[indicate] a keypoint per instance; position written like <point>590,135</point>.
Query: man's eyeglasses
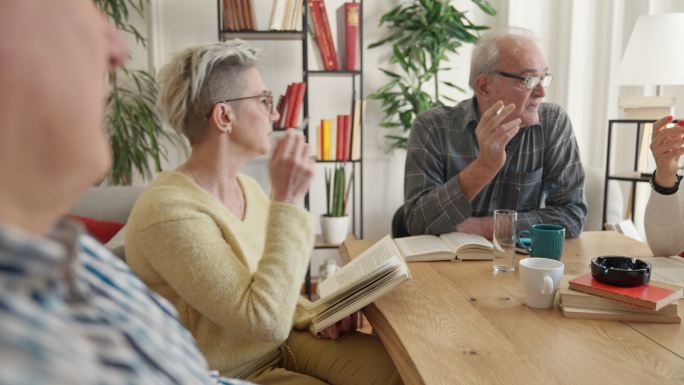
<point>529,81</point>
<point>266,100</point>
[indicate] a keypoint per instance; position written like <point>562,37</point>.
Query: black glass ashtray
<point>620,271</point>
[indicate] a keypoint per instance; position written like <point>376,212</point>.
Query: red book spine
<point>286,106</point>
<point>325,46</point>
<point>328,37</point>
<point>298,98</point>
<point>347,137</point>
<point>351,31</point>
<point>339,145</point>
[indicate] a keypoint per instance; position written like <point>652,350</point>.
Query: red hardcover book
<point>285,106</point>
<point>297,101</point>
<point>323,35</point>
<point>339,143</point>
<point>347,137</point>
<point>351,32</point>
<point>653,295</point>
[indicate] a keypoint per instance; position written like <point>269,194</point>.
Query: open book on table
<point>360,282</point>
<point>445,247</point>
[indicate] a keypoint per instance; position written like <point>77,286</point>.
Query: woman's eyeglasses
<point>266,100</point>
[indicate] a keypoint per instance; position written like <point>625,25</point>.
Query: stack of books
<point>585,297</point>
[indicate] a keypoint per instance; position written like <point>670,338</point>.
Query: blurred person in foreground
<point>70,312</point>
<point>229,257</point>
<point>664,216</point>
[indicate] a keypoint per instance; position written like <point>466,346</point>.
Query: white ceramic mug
<point>540,278</point>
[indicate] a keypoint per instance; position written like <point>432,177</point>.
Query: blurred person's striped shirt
<point>72,313</point>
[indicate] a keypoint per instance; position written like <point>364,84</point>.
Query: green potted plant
<point>335,221</point>
<point>422,33</point>
<point>132,120</point>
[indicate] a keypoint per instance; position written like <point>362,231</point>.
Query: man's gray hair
<point>198,77</point>
<point>487,52</point>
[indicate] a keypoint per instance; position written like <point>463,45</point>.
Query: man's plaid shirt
<point>542,179</point>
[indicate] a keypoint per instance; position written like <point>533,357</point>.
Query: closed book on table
<point>578,299</point>
<point>653,295</point>
<point>617,315</point>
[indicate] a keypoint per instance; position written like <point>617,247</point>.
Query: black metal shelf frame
<point>635,176</point>
<point>355,76</point>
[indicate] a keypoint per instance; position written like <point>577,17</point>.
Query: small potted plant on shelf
<point>335,222</point>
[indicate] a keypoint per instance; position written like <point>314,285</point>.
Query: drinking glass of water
<point>505,222</point>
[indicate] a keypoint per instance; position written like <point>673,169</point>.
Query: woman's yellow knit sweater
<point>235,283</point>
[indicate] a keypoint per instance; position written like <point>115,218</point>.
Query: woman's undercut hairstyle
<point>198,77</point>
<point>487,51</point>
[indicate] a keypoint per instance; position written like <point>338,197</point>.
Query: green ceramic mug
<point>545,241</point>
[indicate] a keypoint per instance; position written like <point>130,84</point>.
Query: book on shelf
<point>368,277</point>
<point>355,146</point>
<point>653,295</point>
<point>348,35</point>
<point>296,101</point>
<point>277,14</point>
<point>325,129</point>
<point>238,15</point>
<point>444,247</point>
<point>581,300</point>
<point>323,35</point>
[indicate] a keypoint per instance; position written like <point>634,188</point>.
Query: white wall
<point>582,39</point>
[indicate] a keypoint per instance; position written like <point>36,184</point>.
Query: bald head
<point>490,47</point>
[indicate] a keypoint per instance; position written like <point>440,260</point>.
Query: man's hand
<point>493,135</point>
<point>341,327</point>
<point>477,225</point>
<point>492,138</point>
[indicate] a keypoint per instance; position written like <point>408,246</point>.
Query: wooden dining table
<point>459,322</point>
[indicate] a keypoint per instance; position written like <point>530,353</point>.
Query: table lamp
<point>654,57</point>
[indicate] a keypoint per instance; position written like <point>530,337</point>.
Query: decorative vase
<point>334,230</point>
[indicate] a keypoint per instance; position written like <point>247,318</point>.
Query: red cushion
<point>103,231</point>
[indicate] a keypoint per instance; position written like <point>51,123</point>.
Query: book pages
<point>362,266</point>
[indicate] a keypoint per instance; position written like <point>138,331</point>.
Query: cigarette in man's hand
<point>498,112</point>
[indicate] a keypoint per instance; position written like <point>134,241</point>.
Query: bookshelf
<point>635,175</point>
<point>313,76</point>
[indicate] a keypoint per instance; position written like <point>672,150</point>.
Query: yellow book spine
<point>326,139</point>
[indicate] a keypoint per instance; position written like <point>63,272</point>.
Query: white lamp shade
<point>655,52</point>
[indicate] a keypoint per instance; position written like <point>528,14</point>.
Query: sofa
<point>108,204</point>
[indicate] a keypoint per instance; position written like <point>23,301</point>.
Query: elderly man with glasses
<point>502,149</point>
